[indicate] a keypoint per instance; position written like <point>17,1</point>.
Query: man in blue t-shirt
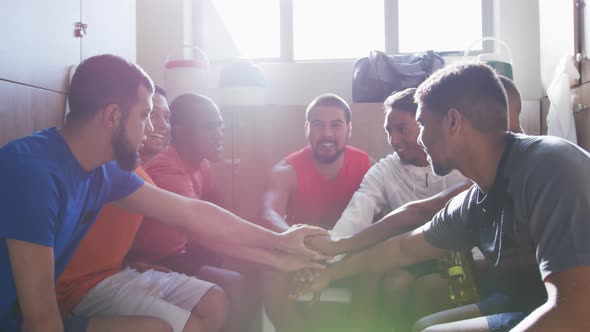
<point>54,183</point>
<point>531,197</point>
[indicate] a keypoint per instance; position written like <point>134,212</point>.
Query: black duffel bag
<point>375,77</point>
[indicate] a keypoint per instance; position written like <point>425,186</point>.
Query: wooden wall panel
<point>580,95</point>
<point>223,170</point>
<point>26,109</point>
<point>257,141</point>
<point>368,132</point>
<point>288,126</point>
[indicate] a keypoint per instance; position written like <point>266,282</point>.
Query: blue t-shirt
<point>536,213</point>
<point>47,198</point>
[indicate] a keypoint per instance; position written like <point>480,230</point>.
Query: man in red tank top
<point>311,186</point>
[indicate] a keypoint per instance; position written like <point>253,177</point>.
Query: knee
<point>398,281</point>
<point>422,324</point>
<point>214,308</point>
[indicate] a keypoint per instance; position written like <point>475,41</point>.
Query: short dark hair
<point>511,89</point>
<point>402,100</point>
<point>329,99</point>
<point>102,80</point>
<point>473,89</point>
<point>185,105</point>
<point>159,90</point>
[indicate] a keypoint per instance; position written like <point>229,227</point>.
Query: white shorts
<point>168,296</point>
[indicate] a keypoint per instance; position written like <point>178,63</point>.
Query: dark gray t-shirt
<point>539,204</point>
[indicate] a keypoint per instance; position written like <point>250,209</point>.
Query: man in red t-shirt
<point>184,169</point>
<point>313,186</point>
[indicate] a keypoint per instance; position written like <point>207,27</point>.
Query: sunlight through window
<point>336,29</point>
<point>253,26</point>
<point>443,26</point>
<point>311,30</point>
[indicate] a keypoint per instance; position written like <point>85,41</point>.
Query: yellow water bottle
<point>462,288</point>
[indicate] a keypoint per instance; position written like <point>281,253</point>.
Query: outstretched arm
<point>401,220</point>
<point>206,220</point>
<point>405,249</point>
<point>270,258</point>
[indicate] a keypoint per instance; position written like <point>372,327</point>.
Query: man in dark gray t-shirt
<point>511,229</point>
<point>540,198</point>
<point>530,203</point>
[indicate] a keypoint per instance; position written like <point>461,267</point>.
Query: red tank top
<point>317,200</point>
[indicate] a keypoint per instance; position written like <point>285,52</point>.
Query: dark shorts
<point>504,322</point>
<point>500,312</point>
<point>74,323</point>
<point>495,304</point>
<point>423,268</point>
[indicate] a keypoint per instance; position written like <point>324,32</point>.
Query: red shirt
<point>155,240</point>
<point>317,200</point>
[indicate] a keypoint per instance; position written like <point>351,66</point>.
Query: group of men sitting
<point>460,176</point>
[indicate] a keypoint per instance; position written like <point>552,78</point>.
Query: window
<point>241,29</point>
<point>438,25</point>
<point>302,30</point>
<point>333,29</point>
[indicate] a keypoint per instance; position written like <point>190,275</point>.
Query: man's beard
<point>125,154</point>
<point>328,159</point>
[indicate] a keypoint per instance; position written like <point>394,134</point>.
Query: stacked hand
<point>309,280</point>
<point>323,243</point>
<point>302,249</point>
<point>287,262</point>
<point>294,241</point>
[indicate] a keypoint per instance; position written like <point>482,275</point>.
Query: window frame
<point>390,9</point>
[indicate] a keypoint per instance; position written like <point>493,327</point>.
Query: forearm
<point>401,220</point>
<point>375,259</point>
<point>398,251</point>
<point>350,265</point>
<point>248,254</point>
<point>397,222</point>
<point>227,228</point>
<point>549,318</point>
<point>274,221</point>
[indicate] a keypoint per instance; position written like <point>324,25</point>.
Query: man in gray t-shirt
<point>531,197</point>
<point>537,206</point>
